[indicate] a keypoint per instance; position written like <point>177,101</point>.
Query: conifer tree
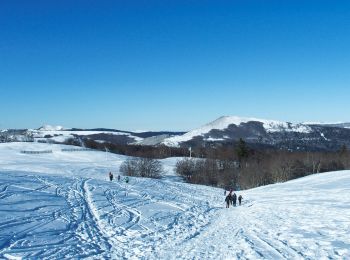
<point>242,150</point>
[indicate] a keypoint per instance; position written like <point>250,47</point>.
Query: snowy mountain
<point>15,135</point>
<point>339,124</point>
<point>265,133</point>
<point>223,123</point>
<point>61,205</point>
<point>51,128</point>
<point>60,134</point>
<point>226,130</point>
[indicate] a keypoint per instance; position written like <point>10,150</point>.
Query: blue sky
<point>172,65</point>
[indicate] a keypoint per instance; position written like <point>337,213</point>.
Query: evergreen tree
<point>343,150</point>
<point>242,150</point>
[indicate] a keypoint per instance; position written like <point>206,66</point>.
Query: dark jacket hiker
<point>240,199</point>
<point>228,200</point>
<point>234,199</point>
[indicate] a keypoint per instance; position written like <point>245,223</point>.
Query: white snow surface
<point>223,122</point>
<point>61,205</point>
<point>322,134</point>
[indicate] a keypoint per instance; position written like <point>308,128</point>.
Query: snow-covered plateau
<point>59,134</point>
<point>60,205</point>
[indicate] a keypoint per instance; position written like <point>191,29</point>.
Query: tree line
<point>234,165</point>
<point>155,152</point>
<point>240,167</point>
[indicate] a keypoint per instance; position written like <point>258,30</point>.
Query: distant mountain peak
<point>224,122</point>
<point>51,128</point>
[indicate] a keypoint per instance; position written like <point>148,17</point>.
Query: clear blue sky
<point>172,65</point>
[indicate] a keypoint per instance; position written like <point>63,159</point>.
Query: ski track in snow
<point>98,218</point>
<point>60,206</point>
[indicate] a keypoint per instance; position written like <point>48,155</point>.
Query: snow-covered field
<point>61,205</point>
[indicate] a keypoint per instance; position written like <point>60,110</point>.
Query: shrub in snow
<point>142,167</point>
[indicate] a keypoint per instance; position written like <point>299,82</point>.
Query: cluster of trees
<point>213,172</point>
<point>142,167</point>
<point>240,167</point>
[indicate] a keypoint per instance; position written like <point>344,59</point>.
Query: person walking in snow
<point>234,199</point>
<point>230,196</point>
<point>110,176</point>
<point>228,200</point>
<point>118,177</point>
<point>240,199</point>
<point>126,185</point>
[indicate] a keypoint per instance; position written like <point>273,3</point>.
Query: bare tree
<point>149,168</point>
<point>186,168</point>
<point>142,167</point>
<point>129,167</point>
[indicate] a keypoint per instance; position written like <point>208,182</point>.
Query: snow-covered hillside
<point>59,134</point>
<point>51,128</point>
<point>223,122</point>
<point>336,124</point>
<point>61,205</point>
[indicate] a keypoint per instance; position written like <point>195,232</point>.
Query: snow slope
<point>61,205</point>
<point>223,122</point>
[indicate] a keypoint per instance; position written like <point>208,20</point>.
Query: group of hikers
<point>126,179</point>
<point>111,177</point>
<point>231,199</point>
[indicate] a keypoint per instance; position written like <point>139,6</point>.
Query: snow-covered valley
<point>61,205</point>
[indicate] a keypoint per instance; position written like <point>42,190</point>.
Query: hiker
<point>110,176</point>
<point>228,200</point>
<point>126,188</point>
<point>234,199</point>
<point>230,194</point>
<point>240,199</point>
<point>118,177</point>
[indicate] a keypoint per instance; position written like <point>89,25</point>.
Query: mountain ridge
<point>225,130</point>
<point>265,133</point>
